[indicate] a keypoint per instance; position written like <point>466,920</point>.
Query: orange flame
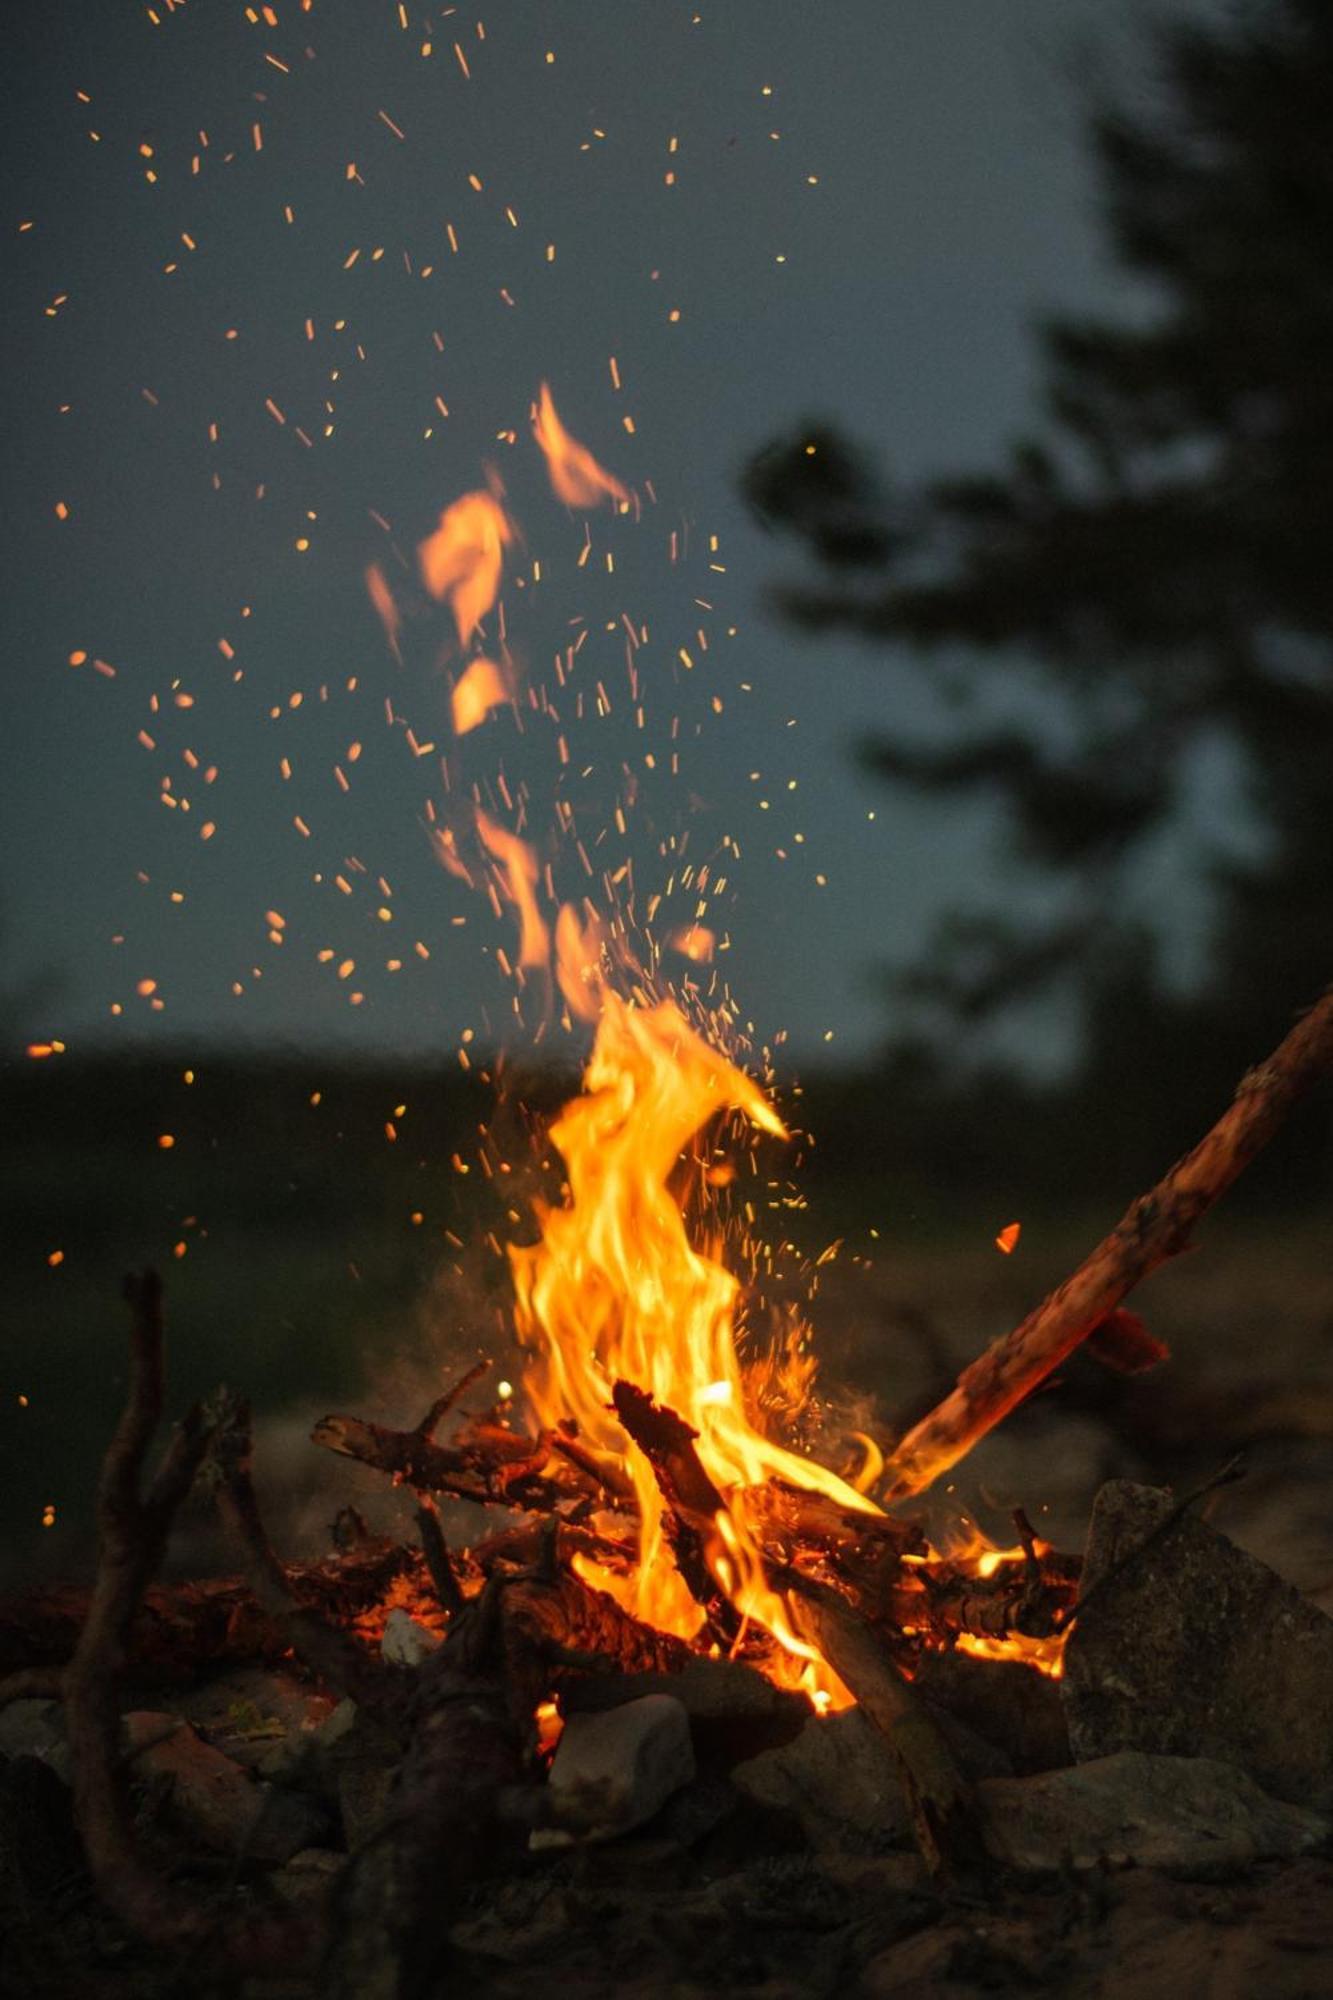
<point>575,474</point>
<point>481,687</point>
<point>463,559</point>
<point>614,1289</point>
<point>519,873</point>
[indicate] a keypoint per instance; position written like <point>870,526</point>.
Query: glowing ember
<point>575,474</point>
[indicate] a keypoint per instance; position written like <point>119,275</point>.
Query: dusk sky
<point>282,283</point>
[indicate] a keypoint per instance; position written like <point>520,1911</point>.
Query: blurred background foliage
<point>1137,609</point>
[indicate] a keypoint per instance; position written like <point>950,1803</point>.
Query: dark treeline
<point>1128,627</point>
<point>319,1151</point>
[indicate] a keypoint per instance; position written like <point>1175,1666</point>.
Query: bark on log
<point>1156,1227</point>
<point>180,1630</point>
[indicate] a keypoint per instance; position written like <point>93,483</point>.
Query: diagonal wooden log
<point>693,1502</point>
<point>940,1804</point>
<point>1156,1227</point>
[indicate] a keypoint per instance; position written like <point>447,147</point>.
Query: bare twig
<point>493,1466</point>
<point>444,1403</point>
<point>1156,1227</point>
<point>436,1551</point>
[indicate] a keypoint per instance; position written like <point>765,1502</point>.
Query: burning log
<point>693,1503</point>
<point>1156,1227</point>
<point>178,1626</point>
<point>488,1464</point>
<point>937,1800</point>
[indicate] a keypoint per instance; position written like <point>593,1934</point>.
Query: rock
<point>613,1771</point>
<point>213,1797</point>
<point>840,1780</point>
<point>266,1720</point>
<point>1191,1816</point>
<point>735,1711</point>
<point>36,1728</point>
<point>1197,1649</point>
<point>406,1643</point>
<point>309,1876</point>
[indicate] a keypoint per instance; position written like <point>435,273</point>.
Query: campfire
<point>688,1574</point>
<point>658,1533</point>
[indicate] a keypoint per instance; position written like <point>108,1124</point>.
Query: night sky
<point>745,212</point>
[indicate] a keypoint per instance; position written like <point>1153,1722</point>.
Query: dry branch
<point>1156,1227</point>
<point>488,1464</point>
<point>132,1530</point>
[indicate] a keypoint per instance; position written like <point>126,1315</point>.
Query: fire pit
<point>699,1685</point>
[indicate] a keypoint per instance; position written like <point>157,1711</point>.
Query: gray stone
<point>1190,1816</point>
<point>213,1797</point>
<point>840,1780</point>
<point>36,1728</point>
<point>268,1721</point>
<point>613,1771</point>
<point>1197,1649</point>
<point>308,1878</point>
<point>406,1643</point>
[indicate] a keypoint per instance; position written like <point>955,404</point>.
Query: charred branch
<point>487,1463</point>
<point>693,1503</point>
<point>448,1590</point>
<point>178,1626</point>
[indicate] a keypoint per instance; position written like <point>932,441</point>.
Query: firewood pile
<point>415,1771</point>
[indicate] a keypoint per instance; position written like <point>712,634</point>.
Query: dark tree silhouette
<point>1163,552</point>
